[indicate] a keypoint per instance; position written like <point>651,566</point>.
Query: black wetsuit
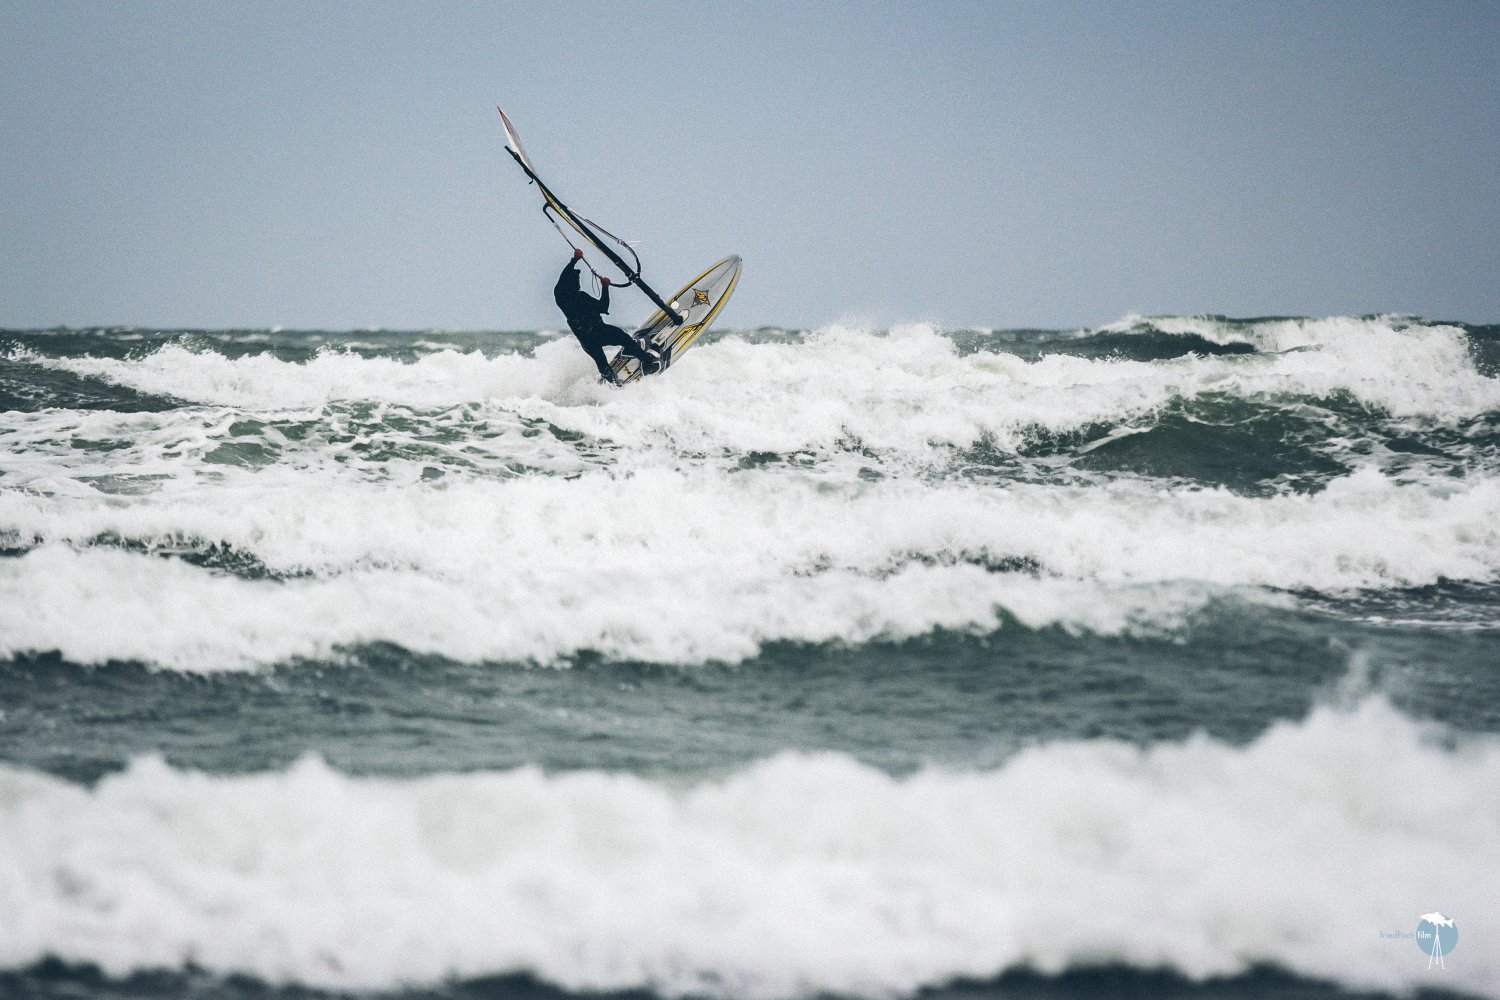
<point>585,317</point>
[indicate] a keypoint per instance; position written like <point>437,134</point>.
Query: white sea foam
<point>540,567</point>
<point>1402,365</point>
<point>1297,850</point>
<point>904,391</point>
<point>560,505</point>
<point>262,381</point>
<point>104,604</point>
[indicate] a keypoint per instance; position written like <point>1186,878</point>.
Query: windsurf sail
<point>593,233</point>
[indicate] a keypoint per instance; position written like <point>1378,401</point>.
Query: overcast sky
<point>340,165</point>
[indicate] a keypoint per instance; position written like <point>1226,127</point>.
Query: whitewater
<point>849,661</point>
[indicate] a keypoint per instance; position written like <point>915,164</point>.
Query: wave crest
<point>1295,851</point>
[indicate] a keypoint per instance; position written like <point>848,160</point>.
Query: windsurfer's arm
<point>603,295</point>
<point>568,280</point>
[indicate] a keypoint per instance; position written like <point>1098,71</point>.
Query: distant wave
<point>871,378</point>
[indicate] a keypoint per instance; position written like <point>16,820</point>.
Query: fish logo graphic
<point>1437,935</point>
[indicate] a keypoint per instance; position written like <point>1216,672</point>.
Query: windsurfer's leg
<point>594,348</point>
<point>614,335</point>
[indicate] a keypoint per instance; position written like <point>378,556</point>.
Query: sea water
<point>1155,659</point>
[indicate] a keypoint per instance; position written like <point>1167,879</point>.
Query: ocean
<point>1159,659</point>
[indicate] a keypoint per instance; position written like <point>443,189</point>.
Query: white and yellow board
<point>698,302</point>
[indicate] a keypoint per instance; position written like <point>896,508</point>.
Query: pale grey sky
<point>340,165</point>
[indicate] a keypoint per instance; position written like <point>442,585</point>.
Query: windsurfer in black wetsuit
<point>585,316</point>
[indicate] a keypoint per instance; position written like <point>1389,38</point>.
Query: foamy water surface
<point>841,661</point>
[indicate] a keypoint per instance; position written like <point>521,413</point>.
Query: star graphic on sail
<point>700,297</point>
